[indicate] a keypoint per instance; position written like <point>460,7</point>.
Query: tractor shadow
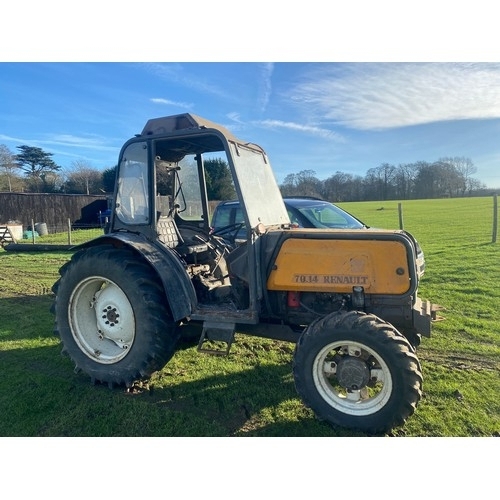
<point>247,395</point>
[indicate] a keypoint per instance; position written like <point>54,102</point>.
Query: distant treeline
<point>447,177</point>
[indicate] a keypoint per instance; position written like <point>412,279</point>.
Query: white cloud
<point>371,96</point>
<point>67,140</point>
<point>84,142</point>
<point>265,87</point>
<point>181,75</point>
<point>159,100</point>
<point>234,116</point>
<point>310,129</point>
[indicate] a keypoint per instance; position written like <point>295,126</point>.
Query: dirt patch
<point>462,361</point>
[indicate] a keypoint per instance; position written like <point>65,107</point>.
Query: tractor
<point>347,298</point>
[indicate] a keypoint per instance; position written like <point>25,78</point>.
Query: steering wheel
<point>229,232</point>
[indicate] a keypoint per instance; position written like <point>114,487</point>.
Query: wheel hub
<point>352,373</point>
<point>110,315</point>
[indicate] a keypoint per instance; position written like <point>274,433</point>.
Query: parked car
<point>228,220</point>
<point>303,212</point>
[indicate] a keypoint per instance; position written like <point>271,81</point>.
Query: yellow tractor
<point>346,297</point>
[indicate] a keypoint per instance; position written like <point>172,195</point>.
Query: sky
<point>325,117</point>
<point>316,94</point>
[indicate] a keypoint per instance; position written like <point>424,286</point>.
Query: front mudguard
<point>179,289</point>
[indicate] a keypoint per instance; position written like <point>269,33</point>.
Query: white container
<point>41,228</point>
<point>16,230</point>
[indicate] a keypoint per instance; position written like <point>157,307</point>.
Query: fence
<point>494,231</point>
<point>51,209</point>
<point>68,232</point>
<point>40,237</point>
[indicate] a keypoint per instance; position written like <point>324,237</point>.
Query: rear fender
<point>179,290</point>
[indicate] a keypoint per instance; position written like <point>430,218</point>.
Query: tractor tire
<point>356,371</point>
<point>112,317</point>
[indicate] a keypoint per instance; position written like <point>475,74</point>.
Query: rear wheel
<point>355,371</point>
<point>111,316</point>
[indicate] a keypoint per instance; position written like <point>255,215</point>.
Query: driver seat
<point>169,235</point>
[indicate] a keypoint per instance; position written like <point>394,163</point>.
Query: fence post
<point>69,231</point>
<point>400,212</point>
<point>33,231</point>
<point>495,219</point>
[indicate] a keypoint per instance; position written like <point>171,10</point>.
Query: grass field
<point>251,392</point>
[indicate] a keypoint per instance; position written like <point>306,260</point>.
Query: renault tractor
<point>347,298</point>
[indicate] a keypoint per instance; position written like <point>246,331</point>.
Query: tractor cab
<point>161,196</point>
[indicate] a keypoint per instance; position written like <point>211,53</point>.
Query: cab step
<point>214,334</point>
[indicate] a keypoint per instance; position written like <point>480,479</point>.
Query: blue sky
<point>325,117</point>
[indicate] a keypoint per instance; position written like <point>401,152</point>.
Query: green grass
<point>251,392</point>
<point>75,237</point>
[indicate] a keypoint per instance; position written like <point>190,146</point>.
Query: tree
<point>445,177</point>
<point>339,187</point>
<point>288,187</point>
<point>108,179</point>
<point>380,180</point>
<point>219,180</point>
<point>425,180</point>
<point>40,169</point>
<point>465,169</point>
<point>436,180</point>
<point>452,182</point>
<point>83,178</point>
<point>9,167</point>
<point>304,183</point>
<point>404,180</point>
<point>308,184</point>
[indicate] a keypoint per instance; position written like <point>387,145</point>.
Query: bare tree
<point>304,183</point>
<point>83,178</point>
<point>9,167</point>
<point>343,187</point>
<point>288,187</point>
<point>465,168</point>
<point>380,180</point>
<point>404,180</point>
<point>448,177</point>
<point>308,184</point>
<point>334,186</point>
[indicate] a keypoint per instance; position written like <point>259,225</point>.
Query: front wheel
<point>355,371</point>
<point>111,316</point>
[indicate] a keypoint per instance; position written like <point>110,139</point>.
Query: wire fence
<point>40,233</point>
<point>74,233</point>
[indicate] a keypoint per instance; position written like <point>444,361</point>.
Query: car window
<point>222,216</point>
<point>294,218</point>
<point>226,215</point>
<point>315,214</point>
<point>324,215</point>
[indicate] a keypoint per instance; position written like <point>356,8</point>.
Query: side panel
<point>336,265</point>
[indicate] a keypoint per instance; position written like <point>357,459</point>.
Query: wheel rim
<point>101,320</point>
<point>352,378</point>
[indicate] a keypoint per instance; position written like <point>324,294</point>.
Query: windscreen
<point>258,187</point>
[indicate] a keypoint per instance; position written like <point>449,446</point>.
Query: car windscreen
<point>324,215</point>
